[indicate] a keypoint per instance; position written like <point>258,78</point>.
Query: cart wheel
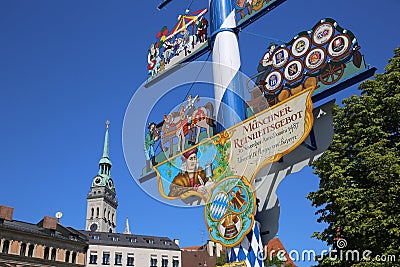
<point>332,74</point>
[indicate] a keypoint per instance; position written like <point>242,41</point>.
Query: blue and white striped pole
<point>232,110</point>
<point>226,64</point>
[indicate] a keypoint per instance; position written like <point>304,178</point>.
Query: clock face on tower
<point>97,180</point>
<point>110,184</point>
<point>94,226</point>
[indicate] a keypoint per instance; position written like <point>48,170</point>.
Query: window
<point>153,261</point>
<point>30,250</point>
<point>106,258</point>
<point>164,261</point>
<point>114,238</point>
<point>132,239</point>
<point>95,237</point>
<point>150,241</point>
<point>130,259</point>
<point>73,257</point>
<point>22,249</point>
<point>93,257</point>
<point>6,246</point>
<point>53,254</point>
<point>118,258</point>
<point>46,253</point>
<point>67,254</point>
<point>97,212</point>
<point>175,263</point>
<point>91,217</point>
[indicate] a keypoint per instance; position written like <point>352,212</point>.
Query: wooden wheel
<point>332,74</point>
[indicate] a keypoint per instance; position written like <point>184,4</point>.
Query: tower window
<point>91,217</point>
<point>97,212</point>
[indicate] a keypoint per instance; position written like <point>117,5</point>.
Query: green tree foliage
<point>221,260</point>
<point>359,187</point>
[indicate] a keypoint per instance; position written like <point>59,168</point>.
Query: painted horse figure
<point>202,119</point>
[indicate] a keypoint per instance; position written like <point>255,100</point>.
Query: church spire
<point>105,148</point>
<point>127,232</point>
<point>105,162</point>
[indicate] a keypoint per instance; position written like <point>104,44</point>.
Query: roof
<point>192,248</point>
<point>129,240</point>
<point>275,245</point>
<point>61,232</point>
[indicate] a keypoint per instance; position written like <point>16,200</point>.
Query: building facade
<point>131,250</point>
<point>46,243</point>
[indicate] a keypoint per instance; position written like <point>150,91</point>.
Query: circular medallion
<point>293,70</point>
<point>273,81</point>
<point>323,33</point>
<point>230,226</point>
<point>301,46</point>
<point>229,212</point>
<point>339,45</point>
<point>315,59</point>
<point>280,57</point>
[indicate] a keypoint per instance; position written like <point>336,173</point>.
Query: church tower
<point>101,201</point>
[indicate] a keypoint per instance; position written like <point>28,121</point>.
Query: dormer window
<point>132,239</point>
<point>115,238</point>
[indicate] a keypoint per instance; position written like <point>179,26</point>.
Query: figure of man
<point>189,110</point>
<point>150,138</point>
<point>265,65</point>
<point>238,199</point>
<point>191,178</point>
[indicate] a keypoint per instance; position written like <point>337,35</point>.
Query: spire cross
<point>107,123</point>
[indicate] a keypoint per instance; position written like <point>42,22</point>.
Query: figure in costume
<point>265,65</point>
<point>191,178</point>
<point>151,137</point>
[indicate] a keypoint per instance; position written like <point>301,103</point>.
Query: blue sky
<point>68,66</point>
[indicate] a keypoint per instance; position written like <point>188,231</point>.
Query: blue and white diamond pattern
<point>219,206</point>
<point>249,250</point>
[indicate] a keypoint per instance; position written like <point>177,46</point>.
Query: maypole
<point>226,64</point>
<point>231,107</point>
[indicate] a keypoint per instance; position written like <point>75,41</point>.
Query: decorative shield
<point>229,213</point>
